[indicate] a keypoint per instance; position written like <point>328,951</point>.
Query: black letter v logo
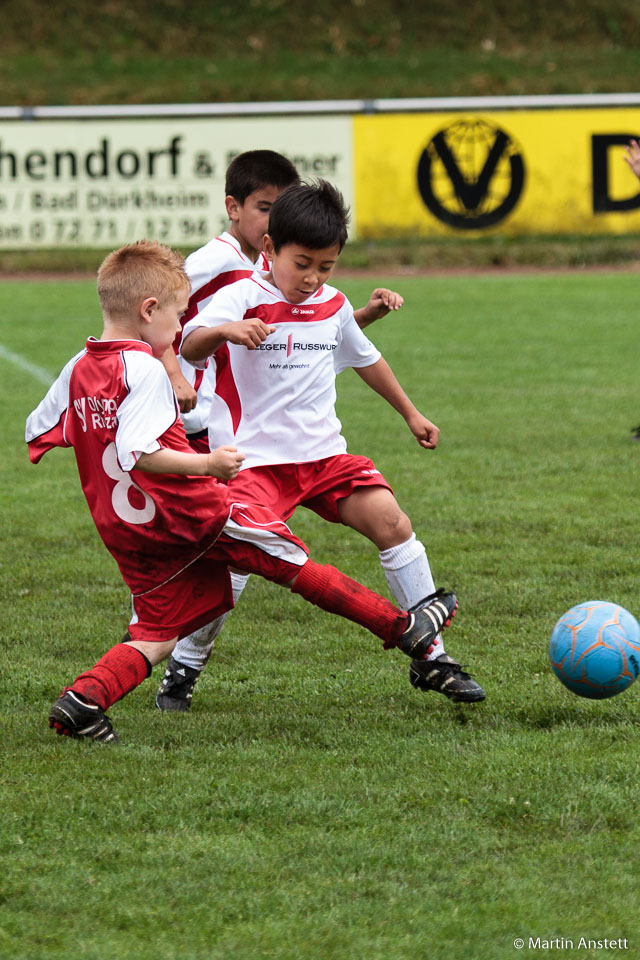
<point>470,194</point>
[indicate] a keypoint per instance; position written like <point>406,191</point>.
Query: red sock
<point>117,673</point>
<point>331,590</point>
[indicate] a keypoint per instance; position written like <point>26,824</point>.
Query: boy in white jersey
<point>172,529</point>
<point>279,340</point>
<point>253,181</point>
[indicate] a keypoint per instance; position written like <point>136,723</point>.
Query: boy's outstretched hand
<point>633,156</point>
<point>224,463</point>
<point>381,302</point>
<point>425,432</point>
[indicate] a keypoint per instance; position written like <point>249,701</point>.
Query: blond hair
<point>137,271</point>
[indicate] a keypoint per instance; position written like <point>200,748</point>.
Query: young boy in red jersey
<point>279,341</point>
<point>172,529</point>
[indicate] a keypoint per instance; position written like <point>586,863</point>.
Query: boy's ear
<point>147,307</point>
<point>267,247</point>
<point>233,207</point>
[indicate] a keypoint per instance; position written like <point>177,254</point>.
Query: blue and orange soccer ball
<point>595,649</point>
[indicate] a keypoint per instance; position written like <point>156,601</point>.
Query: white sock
<point>238,583</point>
<point>409,577</point>
<point>194,650</point>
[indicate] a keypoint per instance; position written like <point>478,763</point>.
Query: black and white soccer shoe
<point>444,675</point>
<point>72,716</point>
<point>428,618</point>
<point>176,690</point>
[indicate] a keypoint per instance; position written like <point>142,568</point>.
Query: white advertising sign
<point>103,183</point>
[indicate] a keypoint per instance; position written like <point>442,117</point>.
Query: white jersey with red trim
<point>112,402</point>
<point>211,267</point>
<point>277,403</point>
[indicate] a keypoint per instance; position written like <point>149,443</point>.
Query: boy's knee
<point>392,527</point>
<point>402,526</point>
<point>375,513</point>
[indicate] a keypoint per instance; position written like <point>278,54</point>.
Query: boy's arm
<point>146,414</point>
<point>381,378</point>
<point>183,390</point>
<point>45,427</point>
<point>222,321</point>
<point>381,302</point>
<point>223,463</point>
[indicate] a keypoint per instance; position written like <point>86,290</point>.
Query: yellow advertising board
<point>513,172</point>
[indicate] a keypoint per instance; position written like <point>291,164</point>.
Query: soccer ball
<point>595,649</point>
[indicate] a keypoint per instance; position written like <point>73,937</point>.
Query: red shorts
<point>318,485</point>
<point>199,441</point>
<point>253,540</point>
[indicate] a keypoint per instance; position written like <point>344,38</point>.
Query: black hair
<point>313,215</point>
<point>255,169</point>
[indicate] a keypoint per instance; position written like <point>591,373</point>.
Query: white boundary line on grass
<point>39,373</point>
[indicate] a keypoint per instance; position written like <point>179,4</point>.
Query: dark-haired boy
<point>280,339</point>
<point>253,181</point>
<point>172,529</point>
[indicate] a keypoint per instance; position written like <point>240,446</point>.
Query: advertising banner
<point>512,172</point>
<point>102,183</point>
<point>82,181</point>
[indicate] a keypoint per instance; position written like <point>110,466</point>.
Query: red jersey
<point>111,403</point>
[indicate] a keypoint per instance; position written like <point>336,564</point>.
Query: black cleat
<point>445,675</point>
<point>428,618</point>
<point>635,431</point>
<point>176,689</point>
<point>72,716</point>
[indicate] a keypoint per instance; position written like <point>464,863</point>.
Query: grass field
<point>165,52</point>
<point>313,806</point>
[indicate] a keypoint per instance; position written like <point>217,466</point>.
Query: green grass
<point>410,254</point>
<point>63,53</point>
<point>82,77</point>
<point>313,806</point>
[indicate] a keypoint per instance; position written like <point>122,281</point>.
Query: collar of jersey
<point>226,237</point>
<point>114,346</point>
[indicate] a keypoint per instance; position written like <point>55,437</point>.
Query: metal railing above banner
<point>311,107</point>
